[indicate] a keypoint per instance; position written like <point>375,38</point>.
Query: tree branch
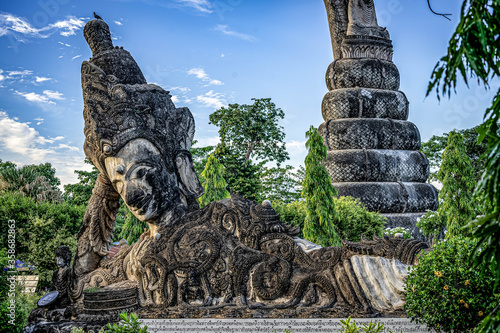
<point>443,15</point>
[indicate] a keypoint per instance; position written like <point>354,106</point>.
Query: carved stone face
<point>61,262</point>
<point>138,173</point>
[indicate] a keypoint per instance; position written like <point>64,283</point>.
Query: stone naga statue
<point>233,252</point>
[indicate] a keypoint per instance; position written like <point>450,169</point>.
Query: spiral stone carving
<point>372,148</point>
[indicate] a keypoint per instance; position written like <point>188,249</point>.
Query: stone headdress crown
<point>120,106</point>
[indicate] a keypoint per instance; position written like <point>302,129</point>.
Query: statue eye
<point>140,172</point>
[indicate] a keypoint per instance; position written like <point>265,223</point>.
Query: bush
<point>443,292</point>
<point>15,206</point>
<point>41,237</point>
<point>128,324</point>
<point>293,213</point>
<point>352,327</point>
<point>353,218</point>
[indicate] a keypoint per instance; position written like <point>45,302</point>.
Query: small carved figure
<point>363,20</point>
<point>61,278</point>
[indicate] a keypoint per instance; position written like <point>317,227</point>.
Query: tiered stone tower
<point>373,151</point>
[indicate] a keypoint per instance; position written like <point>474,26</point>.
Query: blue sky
<point>207,53</point>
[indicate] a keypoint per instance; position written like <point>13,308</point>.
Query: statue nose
<point>134,196</point>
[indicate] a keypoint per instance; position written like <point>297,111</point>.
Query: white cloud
<point>11,24</point>
<point>34,97</point>
<point>65,146</point>
<point>228,32</point>
<point>23,144</point>
<point>53,94</point>
<point>19,138</point>
<point>40,79</point>
<point>64,44</point>
<point>199,73</point>
<point>118,23</point>
<point>203,6</point>
<point>296,147</point>
<point>77,56</point>
<point>69,26</point>
<point>212,100</point>
<point>175,99</point>
<point>222,55</point>
<point>19,73</point>
<point>202,75</point>
<point>180,89</point>
<point>39,120</point>
<point>213,141</point>
<point>47,97</point>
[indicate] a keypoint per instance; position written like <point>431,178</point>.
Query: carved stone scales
<point>373,151</point>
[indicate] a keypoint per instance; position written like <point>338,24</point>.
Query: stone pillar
<point>373,151</point>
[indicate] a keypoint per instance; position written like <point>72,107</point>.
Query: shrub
<point>443,292</point>
<point>353,218</point>
<point>41,237</point>
<point>15,206</point>
<point>349,326</point>
<point>128,324</point>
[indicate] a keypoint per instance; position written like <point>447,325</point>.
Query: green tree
<point>35,181</point>
<point>213,182</point>
<point>6,165</point>
<point>79,193</point>
<point>15,206</point>
<point>241,177</point>
<point>250,137</point>
<point>252,130</point>
<point>435,146</point>
<point>41,237</point>
<point>281,184</point>
<point>318,192</point>
<point>200,156</point>
<point>474,50</point>
<point>457,175</point>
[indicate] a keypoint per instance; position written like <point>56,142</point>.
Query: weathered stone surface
<point>115,298</point>
<point>233,253</point>
<point>362,83</point>
<point>370,165</point>
<point>364,103</point>
<point>363,72</point>
<point>370,133</point>
<point>392,197</point>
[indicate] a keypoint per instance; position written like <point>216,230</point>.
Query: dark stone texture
<point>363,83</point>
<point>230,254</point>
<point>364,103</point>
<point>363,72</point>
<point>370,134</point>
<point>392,197</point>
<point>370,165</point>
